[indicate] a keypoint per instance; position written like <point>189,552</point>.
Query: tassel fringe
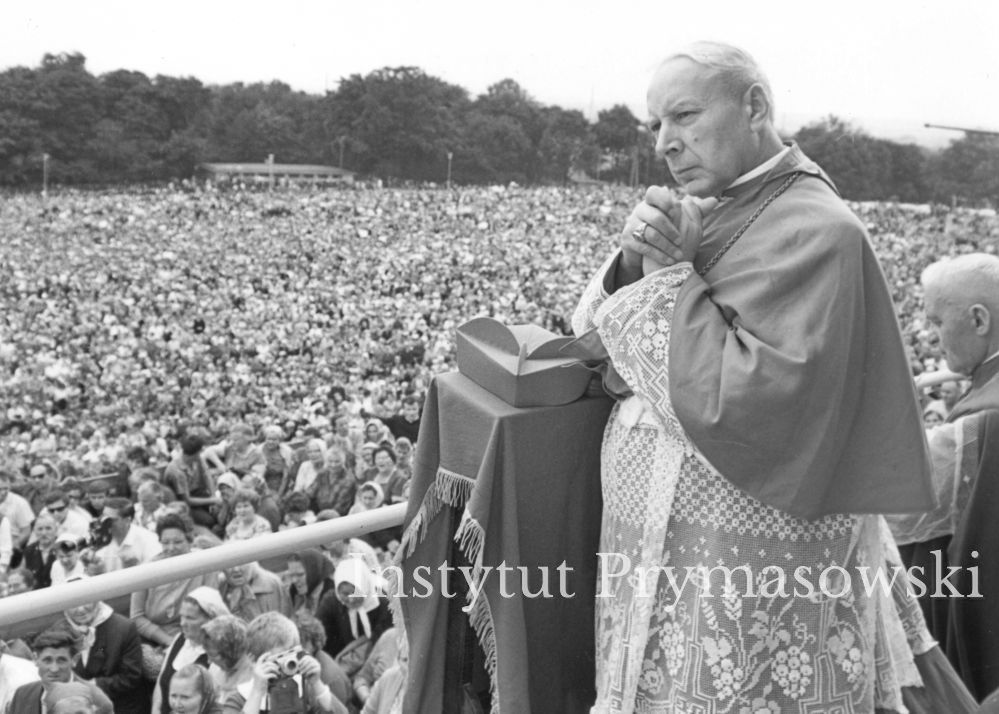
<point>481,619</point>
<point>449,488</point>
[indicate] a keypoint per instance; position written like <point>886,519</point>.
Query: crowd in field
<point>180,367</point>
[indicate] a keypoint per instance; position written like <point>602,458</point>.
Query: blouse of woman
<point>225,647</point>
<point>192,691</point>
<point>199,607</point>
<point>354,609</point>
<point>310,577</point>
<point>249,590</point>
<point>245,522</point>
<point>156,611</point>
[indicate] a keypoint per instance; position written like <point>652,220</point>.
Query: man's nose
<point>668,143</point>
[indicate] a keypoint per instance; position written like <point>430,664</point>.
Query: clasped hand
<point>673,233</point>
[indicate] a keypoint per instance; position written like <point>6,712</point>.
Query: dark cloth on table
<point>530,480</point>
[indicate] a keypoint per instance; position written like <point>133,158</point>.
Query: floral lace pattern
<point>705,644</point>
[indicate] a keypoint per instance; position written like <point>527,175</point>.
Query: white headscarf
<point>355,572</point>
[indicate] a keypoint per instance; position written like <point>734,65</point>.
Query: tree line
<point>399,124</point>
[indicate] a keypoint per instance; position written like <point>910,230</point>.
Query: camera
<point>100,532</point>
<point>288,661</point>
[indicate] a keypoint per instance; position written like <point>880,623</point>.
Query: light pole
<point>45,175</point>
<point>450,155</point>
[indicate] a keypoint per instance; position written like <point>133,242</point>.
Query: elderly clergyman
<point>769,414</point>
<point>962,305</point>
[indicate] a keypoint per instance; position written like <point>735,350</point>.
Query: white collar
<point>762,168</point>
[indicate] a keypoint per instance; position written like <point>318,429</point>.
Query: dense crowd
<point>184,366</point>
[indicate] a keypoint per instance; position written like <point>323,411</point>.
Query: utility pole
<point>450,155</point>
<point>45,175</point>
<point>270,169</point>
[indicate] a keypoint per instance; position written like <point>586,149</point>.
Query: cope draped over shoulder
<point>786,363</point>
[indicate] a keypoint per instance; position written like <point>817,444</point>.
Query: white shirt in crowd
<point>14,672</point>
<point>138,544</point>
<point>17,510</point>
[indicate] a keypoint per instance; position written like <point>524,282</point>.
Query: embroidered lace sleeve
<point>634,325</point>
<point>593,297</point>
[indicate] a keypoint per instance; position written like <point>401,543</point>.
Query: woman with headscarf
<point>225,646</point>
<point>249,590</point>
<point>370,495</point>
<point>192,691</point>
<point>354,615</point>
<point>228,483</point>
<point>110,654</point>
<point>198,607</point>
<point>310,577</point>
<point>315,461</point>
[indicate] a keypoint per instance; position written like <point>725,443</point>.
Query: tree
<point>968,167</point>
<point>567,145</point>
<point>399,122</point>
<point>617,133</point>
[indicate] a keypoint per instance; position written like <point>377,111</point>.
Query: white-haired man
<point>962,306</point>
<point>766,405</point>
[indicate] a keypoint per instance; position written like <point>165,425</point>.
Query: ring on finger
<point>639,233</point>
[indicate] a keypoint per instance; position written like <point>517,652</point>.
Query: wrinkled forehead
<point>681,80</point>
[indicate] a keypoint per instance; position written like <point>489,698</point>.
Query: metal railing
<point>51,600</point>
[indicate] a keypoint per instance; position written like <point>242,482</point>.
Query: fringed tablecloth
<point>513,487</point>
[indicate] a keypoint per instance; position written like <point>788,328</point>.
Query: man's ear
<point>757,105</point>
<point>980,318</point>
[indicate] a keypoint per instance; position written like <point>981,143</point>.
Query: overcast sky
<point>887,66</point>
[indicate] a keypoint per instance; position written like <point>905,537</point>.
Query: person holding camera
<point>128,544</point>
<point>285,679</point>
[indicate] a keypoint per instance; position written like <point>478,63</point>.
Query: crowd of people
<point>180,367</point>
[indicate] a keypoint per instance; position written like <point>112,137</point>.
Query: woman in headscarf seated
<point>249,590</point>
<point>314,464</point>
<point>192,691</point>
<point>109,653</point>
<point>309,578</point>
<point>227,484</point>
<point>188,647</point>
<point>354,615</point>
<point>370,495</point>
<point>225,647</point>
